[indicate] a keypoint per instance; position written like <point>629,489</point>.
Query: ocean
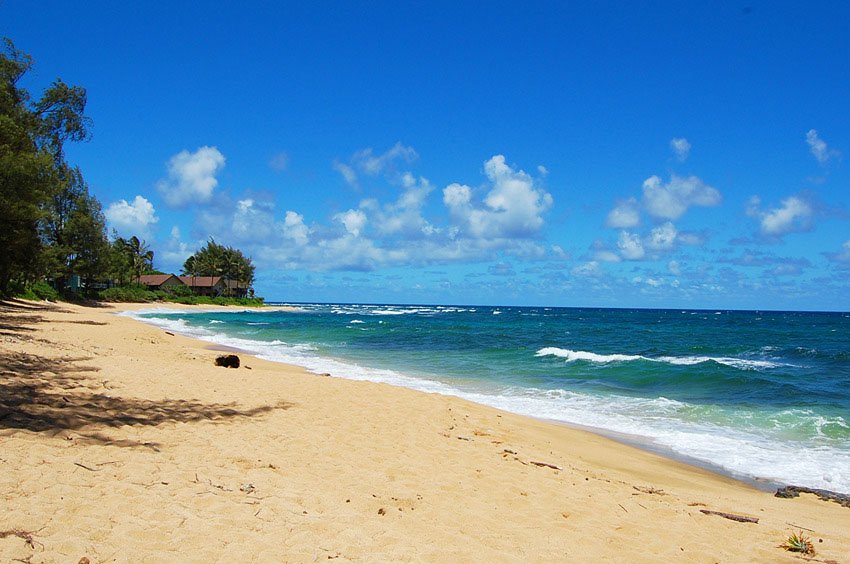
<point>757,395</point>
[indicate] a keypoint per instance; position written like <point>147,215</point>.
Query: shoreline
<point>641,442</point>
<point>138,446</point>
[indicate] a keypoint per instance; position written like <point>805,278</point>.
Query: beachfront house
<point>206,285</point>
<point>159,281</point>
<point>236,288</point>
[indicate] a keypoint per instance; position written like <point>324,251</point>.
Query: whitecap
<point>572,356</point>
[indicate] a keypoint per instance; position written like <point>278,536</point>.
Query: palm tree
<point>139,255</point>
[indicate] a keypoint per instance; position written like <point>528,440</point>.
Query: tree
<point>58,209</point>
<point>139,256</point>
<point>86,236</point>
<point>217,260</point>
<point>32,166</point>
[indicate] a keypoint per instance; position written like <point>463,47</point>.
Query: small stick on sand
<point>89,468</point>
<point>545,465</point>
<point>799,527</point>
<point>732,516</point>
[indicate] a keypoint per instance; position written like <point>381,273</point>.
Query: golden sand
<point>120,442</point>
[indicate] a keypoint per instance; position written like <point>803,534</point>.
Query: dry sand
<point>119,442</point>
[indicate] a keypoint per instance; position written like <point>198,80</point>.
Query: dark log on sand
<point>826,495</point>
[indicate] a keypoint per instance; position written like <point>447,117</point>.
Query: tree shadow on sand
<point>52,395</point>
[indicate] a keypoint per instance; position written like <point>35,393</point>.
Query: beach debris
<point>826,495</point>
<point>227,361</point>
<point>463,438</point>
<point>545,465</point>
<point>798,542</point>
<point>169,333</point>
<point>89,468</point>
<point>509,451</point>
<point>649,490</point>
<point>247,488</point>
<point>799,527</point>
<point>382,511</point>
<point>732,516</point>
<point>84,560</point>
<point>26,536</point>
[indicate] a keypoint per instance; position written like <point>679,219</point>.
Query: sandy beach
<point>120,442</point>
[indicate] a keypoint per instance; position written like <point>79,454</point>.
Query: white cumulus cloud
<point>672,200</point>
<point>819,148</point>
<point>353,220</point>
<point>252,220</point>
<point>663,237</point>
<point>630,245</point>
<point>295,229</point>
<point>191,177</point>
<point>512,208</point>
<point>794,214</point>
<point>625,215</point>
<point>131,218</point>
<point>681,148</point>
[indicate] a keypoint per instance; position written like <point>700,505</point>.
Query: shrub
<point>130,293</point>
<point>39,291</point>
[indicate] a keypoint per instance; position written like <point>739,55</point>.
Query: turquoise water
<point>763,395</point>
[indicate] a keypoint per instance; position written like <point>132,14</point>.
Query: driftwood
<point>825,495</point>
<point>732,516</point>
<point>545,465</point>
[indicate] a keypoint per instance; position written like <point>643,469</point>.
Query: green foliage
<point>175,294</point>
<point>130,293</point>
<point>39,192</point>
<point>87,239</point>
<point>39,291</point>
<point>798,542</point>
<point>218,260</point>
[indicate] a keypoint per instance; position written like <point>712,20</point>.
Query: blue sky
<point>680,154</point>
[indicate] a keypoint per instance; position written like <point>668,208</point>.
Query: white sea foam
<point>572,356</point>
<point>214,321</point>
<point>740,363</point>
<point>353,321</point>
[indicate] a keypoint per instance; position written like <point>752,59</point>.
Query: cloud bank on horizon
<point>497,222</point>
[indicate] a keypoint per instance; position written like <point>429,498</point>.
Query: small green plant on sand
<point>798,542</point>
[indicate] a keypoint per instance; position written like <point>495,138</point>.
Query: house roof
<point>155,279</point>
<point>200,281</point>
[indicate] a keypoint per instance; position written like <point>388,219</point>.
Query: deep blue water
<point>757,394</point>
